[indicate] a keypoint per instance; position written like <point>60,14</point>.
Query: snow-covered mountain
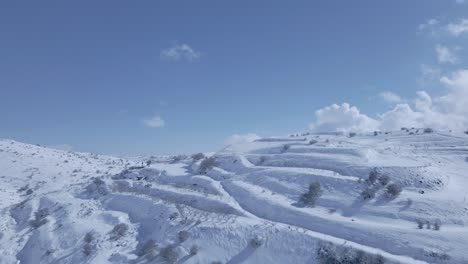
<point>302,199</point>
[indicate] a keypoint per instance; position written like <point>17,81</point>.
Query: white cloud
<point>432,26</point>
<point>445,55</point>
<point>180,52</point>
<point>237,139</point>
<point>155,121</point>
<point>445,112</point>
<point>390,97</point>
<point>458,28</point>
<point>342,118</point>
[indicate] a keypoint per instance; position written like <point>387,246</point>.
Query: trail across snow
<point>68,207</point>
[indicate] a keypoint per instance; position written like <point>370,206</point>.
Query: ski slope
<point>68,207</point>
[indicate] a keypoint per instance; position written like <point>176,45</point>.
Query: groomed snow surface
<point>67,207</point>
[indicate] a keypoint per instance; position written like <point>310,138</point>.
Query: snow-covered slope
<point>66,207</point>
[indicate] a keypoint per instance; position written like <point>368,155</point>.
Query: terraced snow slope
<point>66,207</point>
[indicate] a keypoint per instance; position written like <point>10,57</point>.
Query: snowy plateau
<point>394,197</point>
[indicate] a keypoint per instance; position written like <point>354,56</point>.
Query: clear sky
<point>128,77</point>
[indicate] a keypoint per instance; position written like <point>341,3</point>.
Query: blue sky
<point>128,77</point>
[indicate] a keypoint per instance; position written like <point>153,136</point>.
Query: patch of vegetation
<point>39,218</point>
<point>119,231</point>
<point>328,253</point>
<point>149,250</point>
<point>384,179</point>
<point>198,156</point>
<point>169,254</point>
<point>368,194</point>
<point>183,236</point>
<point>394,189</point>
<point>310,197</point>
<point>257,241</point>
<point>207,164</point>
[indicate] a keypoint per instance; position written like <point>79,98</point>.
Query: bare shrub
<point>89,237</point>
<point>169,254</point>
<point>198,156</point>
<point>384,179</point>
<point>373,176</point>
<point>394,190</point>
<point>149,249</point>
<point>207,164</point>
<point>285,148</point>
<point>88,249</point>
<point>428,130</point>
<point>420,223</point>
<point>368,194</point>
<point>328,253</point>
<point>257,241</point>
<point>194,250</point>
<point>309,198</point>
<point>437,224</point>
<point>119,231</point>
<point>183,235</point>
<point>262,160</point>
<point>39,218</point>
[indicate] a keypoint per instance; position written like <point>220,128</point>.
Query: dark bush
<point>373,176</point>
<point>368,194</point>
<point>285,148</point>
<point>428,130</point>
<point>198,156</point>
<point>352,134</point>
<point>384,179</point>
<point>39,218</point>
<point>257,241</point>
<point>207,164</point>
<point>183,235</point>
<point>394,189</point>
<point>119,231</point>
<point>313,142</point>
<point>309,198</point>
<point>169,254</point>
<point>328,253</point>
<point>149,249</point>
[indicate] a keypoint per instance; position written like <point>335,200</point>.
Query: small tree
<point>309,198</point>
<point>194,250</point>
<point>373,176</point>
<point>428,130</point>
<point>368,194</point>
<point>420,223</point>
<point>183,235</point>
<point>198,156</point>
<point>257,241</point>
<point>384,179</point>
<point>39,218</point>
<point>437,224</point>
<point>149,249</point>
<point>119,231</point>
<point>169,254</point>
<point>207,164</point>
<point>394,189</point>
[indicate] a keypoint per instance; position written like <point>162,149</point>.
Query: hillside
<point>243,204</point>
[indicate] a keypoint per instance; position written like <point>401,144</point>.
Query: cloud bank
<point>449,111</point>
<point>180,52</point>
<point>154,122</point>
